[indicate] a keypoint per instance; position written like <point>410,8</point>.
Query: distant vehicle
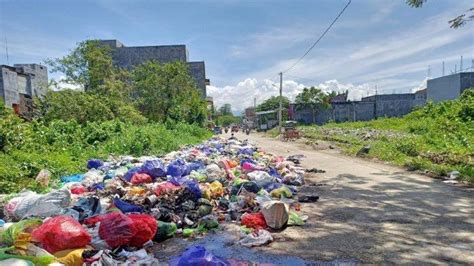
<point>217,130</point>
<point>235,128</point>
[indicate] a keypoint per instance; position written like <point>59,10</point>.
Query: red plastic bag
<point>140,178</point>
<point>165,187</point>
<point>116,229</point>
<point>78,190</point>
<point>145,226</point>
<point>254,220</point>
<point>60,233</point>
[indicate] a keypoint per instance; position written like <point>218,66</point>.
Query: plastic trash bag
<point>72,178</point>
<point>275,213</point>
<point>283,191</point>
<point>92,177</point>
<point>177,168</point>
<point>116,229</point>
<point>295,219</point>
<point>216,189</point>
<point>87,207</point>
<point>60,233</point>
<point>213,171</point>
<point>43,177</point>
<point>128,175</point>
<point>19,234</point>
<point>154,168</point>
<point>165,231</point>
<point>262,178</point>
<point>78,189</point>
<point>165,187</point>
<point>197,256</point>
<point>16,262</point>
<point>193,186</point>
<point>126,207</point>
<point>257,238</point>
<point>94,163</point>
<point>145,226</point>
<point>70,257</point>
<point>30,204</point>
<point>141,178</point>
<point>253,220</point>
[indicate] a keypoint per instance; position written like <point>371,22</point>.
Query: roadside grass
<point>437,139</point>
<point>63,147</point>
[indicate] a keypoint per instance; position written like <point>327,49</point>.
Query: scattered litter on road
<point>117,209</point>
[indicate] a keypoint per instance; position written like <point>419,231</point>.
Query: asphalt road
<point>375,213</point>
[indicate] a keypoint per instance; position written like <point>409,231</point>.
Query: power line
<point>320,37</point>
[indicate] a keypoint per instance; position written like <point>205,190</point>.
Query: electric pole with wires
<point>280,105</point>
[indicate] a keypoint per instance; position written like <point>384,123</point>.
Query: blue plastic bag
<point>198,256</point>
<point>94,163</point>
<point>72,178</point>
<point>273,172</point>
<point>193,185</point>
<point>128,175</point>
<point>246,151</point>
<point>154,168</point>
<point>177,180</point>
<point>177,168</point>
<point>247,161</point>
<point>126,207</point>
<point>194,166</point>
<point>271,186</point>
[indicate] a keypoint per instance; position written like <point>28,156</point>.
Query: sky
<point>382,45</point>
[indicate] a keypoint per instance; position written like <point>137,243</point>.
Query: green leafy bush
<point>63,147</point>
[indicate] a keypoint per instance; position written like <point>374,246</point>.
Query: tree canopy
<point>314,99</point>
<point>456,22</point>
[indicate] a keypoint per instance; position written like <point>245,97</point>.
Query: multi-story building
<point>20,83</point>
<point>130,56</point>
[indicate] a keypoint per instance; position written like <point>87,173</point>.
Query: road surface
<point>374,213</point>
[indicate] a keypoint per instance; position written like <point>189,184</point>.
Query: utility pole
<point>460,66</point>
<point>443,68</point>
<point>280,125</point>
<point>429,71</point>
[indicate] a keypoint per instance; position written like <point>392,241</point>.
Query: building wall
<point>444,88</point>
<point>197,70</point>
<point>368,108</point>
<point>467,81</point>
<point>9,87</point>
<point>38,78</point>
<point>128,57</point>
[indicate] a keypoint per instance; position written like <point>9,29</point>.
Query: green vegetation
<point>227,120</point>
<point>155,91</point>
<point>438,138</point>
<point>314,99</point>
<point>149,110</point>
<point>63,147</point>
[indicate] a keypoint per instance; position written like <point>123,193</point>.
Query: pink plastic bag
<point>141,178</point>
<point>145,226</point>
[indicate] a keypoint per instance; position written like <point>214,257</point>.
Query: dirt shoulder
<point>375,213</point>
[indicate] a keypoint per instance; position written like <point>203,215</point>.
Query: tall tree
<point>273,103</point>
<point>314,99</point>
<point>456,22</point>
<point>167,91</point>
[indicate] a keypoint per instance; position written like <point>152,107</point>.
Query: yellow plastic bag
<point>137,191</point>
<point>216,189</point>
<point>70,257</point>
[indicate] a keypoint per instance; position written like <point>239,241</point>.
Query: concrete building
<point>130,56</point>
<point>20,83</point>
<point>449,87</point>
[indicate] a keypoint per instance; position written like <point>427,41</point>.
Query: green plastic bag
<point>165,231</point>
<point>295,219</point>
<point>39,261</point>
<point>10,235</point>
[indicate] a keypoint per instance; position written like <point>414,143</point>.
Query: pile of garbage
<point>118,209</point>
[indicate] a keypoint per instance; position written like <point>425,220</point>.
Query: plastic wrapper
<point>197,255</point>
<point>31,204</point>
<point>253,220</point>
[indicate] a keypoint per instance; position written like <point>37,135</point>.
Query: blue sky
<point>245,44</point>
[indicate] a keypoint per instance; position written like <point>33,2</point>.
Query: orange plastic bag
<point>254,220</point>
